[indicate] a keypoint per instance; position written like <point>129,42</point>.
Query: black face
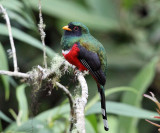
<point>76,30</point>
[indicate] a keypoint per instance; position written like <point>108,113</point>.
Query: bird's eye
<point>76,28</point>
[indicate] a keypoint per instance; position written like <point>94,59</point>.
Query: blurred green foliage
<point>4,66</point>
<point>130,33</point>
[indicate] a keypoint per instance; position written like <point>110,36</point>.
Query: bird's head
<point>75,29</point>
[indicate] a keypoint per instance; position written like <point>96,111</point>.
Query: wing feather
<point>92,62</point>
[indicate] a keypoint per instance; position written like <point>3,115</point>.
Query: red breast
<point>72,57</point>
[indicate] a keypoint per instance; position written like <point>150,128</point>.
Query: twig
<point>67,93</point>
<point>81,103</point>
<point>10,37</point>
<point>155,124</point>
<point>42,33</point>
<point>15,74</point>
<point>71,101</point>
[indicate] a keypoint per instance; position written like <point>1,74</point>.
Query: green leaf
<point>4,117</point>
<point>106,8</point>
<point>19,19</point>
<point>128,3</point>
<point>31,125</point>
<point>16,5</point>
<point>13,113</point>
<point>119,89</point>
<point>58,126</point>
<point>122,109</point>
<point>53,113</point>
<point>71,11</point>
<point>141,82</point>
<point>89,127</point>
<point>43,122</point>
<point>22,102</point>
<point>93,121</point>
<point>11,128</point>
<point>4,66</point>
<point>22,36</point>
<point>36,126</point>
<point>16,11</point>
<point>109,92</point>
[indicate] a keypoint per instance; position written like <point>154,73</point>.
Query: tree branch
<point>80,103</point>
<point>10,37</point>
<point>42,33</point>
<point>15,74</point>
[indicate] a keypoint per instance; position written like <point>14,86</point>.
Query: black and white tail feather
<point>103,106</point>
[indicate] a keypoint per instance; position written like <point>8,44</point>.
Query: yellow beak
<point>66,28</point>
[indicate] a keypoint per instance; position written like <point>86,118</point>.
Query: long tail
<point>103,106</point>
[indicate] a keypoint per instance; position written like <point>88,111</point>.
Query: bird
<point>85,52</point>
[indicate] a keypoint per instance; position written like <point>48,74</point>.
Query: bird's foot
<point>85,72</point>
